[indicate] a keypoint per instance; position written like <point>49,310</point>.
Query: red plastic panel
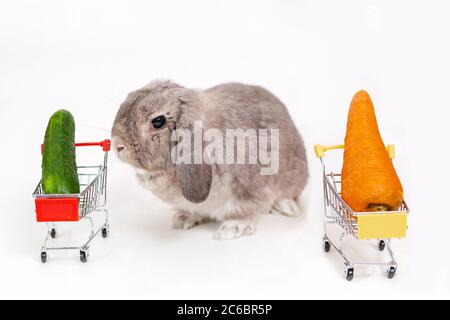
<point>56,209</point>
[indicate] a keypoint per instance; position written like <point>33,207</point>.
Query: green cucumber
<point>59,167</point>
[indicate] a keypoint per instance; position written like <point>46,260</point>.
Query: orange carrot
<point>369,180</point>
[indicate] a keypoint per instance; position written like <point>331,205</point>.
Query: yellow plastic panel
<point>382,226</point>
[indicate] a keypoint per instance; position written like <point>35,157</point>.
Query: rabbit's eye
<point>159,122</point>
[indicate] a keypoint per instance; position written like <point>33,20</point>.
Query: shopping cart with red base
<point>53,208</point>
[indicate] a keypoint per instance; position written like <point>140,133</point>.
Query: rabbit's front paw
<point>232,229</point>
<point>288,207</point>
<point>185,220</point>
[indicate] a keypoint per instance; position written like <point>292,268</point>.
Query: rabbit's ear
<point>194,179</point>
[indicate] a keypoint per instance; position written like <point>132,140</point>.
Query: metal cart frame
<point>52,208</point>
<point>337,212</point>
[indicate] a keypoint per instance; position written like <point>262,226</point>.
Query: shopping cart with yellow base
<point>380,225</point>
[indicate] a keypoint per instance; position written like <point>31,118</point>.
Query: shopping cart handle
<point>391,150</point>
<point>320,150</point>
<point>105,144</point>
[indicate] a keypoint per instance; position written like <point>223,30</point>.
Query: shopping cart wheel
<point>83,256</point>
<point>381,245</point>
<point>105,232</point>
<point>43,257</point>
<point>53,233</point>
<point>326,246</point>
<point>349,274</point>
<point>391,272</point>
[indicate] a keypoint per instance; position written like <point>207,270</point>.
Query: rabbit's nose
<point>120,148</point>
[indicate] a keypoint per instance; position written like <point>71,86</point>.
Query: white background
<point>314,55</point>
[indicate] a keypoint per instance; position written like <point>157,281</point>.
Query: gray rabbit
<point>145,135</point>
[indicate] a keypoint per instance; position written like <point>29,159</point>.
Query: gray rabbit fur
<point>233,194</point>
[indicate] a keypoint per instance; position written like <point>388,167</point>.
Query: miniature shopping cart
<point>52,208</point>
<point>380,225</point>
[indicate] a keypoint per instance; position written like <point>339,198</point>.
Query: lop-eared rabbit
<point>146,135</point>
